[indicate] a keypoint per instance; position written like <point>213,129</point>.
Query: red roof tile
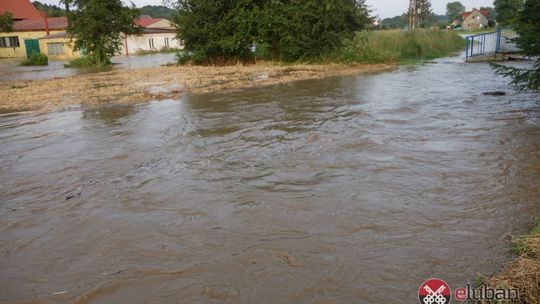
<point>21,9</point>
<point>55,23</point>
<point>145,21</point>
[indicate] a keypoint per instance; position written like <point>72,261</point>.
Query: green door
<point>32,46</point>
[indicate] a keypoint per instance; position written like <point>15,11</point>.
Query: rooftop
<point>21,9</point>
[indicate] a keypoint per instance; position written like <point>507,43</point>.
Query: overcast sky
<point>383,8</point>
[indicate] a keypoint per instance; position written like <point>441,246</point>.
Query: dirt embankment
<point>123,86</point>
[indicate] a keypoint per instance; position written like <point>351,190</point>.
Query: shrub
<point>36,59</point>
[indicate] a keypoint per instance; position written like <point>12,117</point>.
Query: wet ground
<point>10,69</point>
<point>341,190</point>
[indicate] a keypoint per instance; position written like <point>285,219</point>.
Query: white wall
<point>135,43</point>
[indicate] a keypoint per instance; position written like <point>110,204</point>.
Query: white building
<point>157,34</point>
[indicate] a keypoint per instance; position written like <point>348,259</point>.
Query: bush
<point>391,46</point>
<point>36,59</point>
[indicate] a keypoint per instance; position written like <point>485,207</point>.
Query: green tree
<point>507,10</point>
<point>527,25</point>
<point>6,22</point>
<point>97,26</point>
<point>50,10</point>
<point>158,11</point>
<point>454,10</point>
<point>425,12</point>
<point>282,29</point>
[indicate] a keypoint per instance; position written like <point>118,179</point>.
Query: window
<point>55,48</point>
<point>166,41</point>
<point>9,42</point>
<point>151,42</point>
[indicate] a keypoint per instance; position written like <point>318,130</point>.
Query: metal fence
<point>500,41</point>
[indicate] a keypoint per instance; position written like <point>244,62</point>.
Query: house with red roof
<point>475,19</point>
<point>31,29</point>
<point>157,34</point>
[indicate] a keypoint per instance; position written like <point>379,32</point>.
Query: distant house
<point>455,24</point>
<point>475,19</point>
<point>34,32</point>
<point>157,34</point>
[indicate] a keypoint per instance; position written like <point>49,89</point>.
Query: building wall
<point>142,43</point>
<point>20,52</point>
<point>69,52</point>
<point>475,21</point>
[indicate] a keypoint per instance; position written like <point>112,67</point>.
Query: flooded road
<point>341,190</point>
<point>10,69</point>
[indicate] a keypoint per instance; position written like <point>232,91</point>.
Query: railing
<point>491,43</point>
<point>483,44</point>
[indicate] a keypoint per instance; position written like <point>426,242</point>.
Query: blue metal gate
<point>491,43</point>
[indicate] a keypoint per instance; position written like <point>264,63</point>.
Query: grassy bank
<point>397,46</point>
<point>523,273</point>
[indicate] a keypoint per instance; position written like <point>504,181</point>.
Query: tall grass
<point>397,46</point>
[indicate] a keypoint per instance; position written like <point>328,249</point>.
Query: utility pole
<point>412,14</point>
<point>414,11</point>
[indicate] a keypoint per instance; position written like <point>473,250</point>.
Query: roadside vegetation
<point>36,59</point>
<point>397,46</point>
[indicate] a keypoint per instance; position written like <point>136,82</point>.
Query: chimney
<point>46,18</point>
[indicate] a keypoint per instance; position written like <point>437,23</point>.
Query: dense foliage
<point>158,11</point>
<point>98,27</point>
<point>217,31</point>
<point>454,10</point>
<point>527,25</point>
<point>6,22</point>
<point>50,10</point>
<point>507,10</point>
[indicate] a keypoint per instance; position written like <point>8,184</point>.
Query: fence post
<point>499,34</point>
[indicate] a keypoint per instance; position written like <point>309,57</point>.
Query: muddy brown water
<point>341,190</point>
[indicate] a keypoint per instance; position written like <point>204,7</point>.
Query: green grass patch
<point>398,46</point>
<point>36,59</point>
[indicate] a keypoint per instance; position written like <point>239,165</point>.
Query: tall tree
<point>281,29</point>
<point>97,26</point>
<point>424,11</point>
<point>454,10</point>
<point>527,25</point>
<point>6,22</point>
<point>507,10</point>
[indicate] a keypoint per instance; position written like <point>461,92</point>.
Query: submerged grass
<point>398,46</point>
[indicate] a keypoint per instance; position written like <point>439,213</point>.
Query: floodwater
<point>341,190</point>
<point>10,69</point>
